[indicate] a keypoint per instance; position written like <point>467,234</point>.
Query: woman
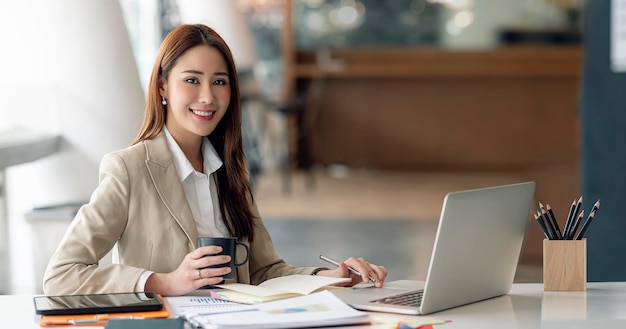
<point>184,176</point>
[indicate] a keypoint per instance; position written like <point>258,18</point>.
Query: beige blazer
<point>140,207</point>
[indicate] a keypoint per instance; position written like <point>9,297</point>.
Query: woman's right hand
<point>191,274</point>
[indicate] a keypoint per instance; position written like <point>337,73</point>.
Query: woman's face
<point>197,93</point>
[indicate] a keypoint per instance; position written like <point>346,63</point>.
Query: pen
<point>328,260</point>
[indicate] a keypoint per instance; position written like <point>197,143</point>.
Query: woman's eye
<point>219,82</point>
<point>191,80</point>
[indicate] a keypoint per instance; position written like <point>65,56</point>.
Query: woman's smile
<point>203,115</point>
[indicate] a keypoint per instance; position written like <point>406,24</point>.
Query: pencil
<point>577,224</point>
<point>571,231</point>
<point>542,227</point>
<point>554,222</point>
<point>551,222</point>
<point>551,234</point>
<point>595,208</point>
<point>568,221</point>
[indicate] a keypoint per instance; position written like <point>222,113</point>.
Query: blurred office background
<point>360,115</point>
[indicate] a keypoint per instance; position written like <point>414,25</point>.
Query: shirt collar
<point>212,161</point>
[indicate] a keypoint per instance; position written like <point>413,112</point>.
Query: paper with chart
<point>194,305</point>
<point>314,310</point>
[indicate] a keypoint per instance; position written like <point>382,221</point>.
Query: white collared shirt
<point>200,190</point>
<point>200,187</point>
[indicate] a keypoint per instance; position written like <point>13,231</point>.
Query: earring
<point>163,101</point>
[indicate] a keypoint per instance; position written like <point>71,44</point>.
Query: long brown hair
<point>234,191</point>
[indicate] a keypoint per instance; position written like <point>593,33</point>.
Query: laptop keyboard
<point>413,298</point>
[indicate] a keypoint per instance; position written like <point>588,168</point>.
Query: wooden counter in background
<point>506,109</point>
<point>438,109</point>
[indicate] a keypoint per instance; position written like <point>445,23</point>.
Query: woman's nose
<point>206,95</point>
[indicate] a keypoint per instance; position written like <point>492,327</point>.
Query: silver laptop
<point>477,247</point>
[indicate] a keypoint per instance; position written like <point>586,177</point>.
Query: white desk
<point>603,305</point>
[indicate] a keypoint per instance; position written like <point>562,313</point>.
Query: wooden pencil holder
<point>565,265</point>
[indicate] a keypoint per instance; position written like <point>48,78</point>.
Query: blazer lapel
<point>160,165</point>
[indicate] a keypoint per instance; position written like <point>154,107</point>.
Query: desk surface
<point>603,305</point>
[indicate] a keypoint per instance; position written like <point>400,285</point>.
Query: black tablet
<point>97,303</point>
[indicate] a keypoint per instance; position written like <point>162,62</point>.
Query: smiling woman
<point>184,177</point>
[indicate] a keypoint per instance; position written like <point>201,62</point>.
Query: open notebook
<point>272,289</point>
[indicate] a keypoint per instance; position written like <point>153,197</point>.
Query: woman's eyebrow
<point>202,73</point>
<point>194,72</point>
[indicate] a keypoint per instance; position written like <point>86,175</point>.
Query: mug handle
<point>247,253</point>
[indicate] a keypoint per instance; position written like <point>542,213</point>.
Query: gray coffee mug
<point>229,247</point>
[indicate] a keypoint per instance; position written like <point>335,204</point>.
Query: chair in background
<point>303,111</point>
<point>251,134</point>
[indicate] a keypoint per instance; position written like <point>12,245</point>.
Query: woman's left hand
<point>367,270</point>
